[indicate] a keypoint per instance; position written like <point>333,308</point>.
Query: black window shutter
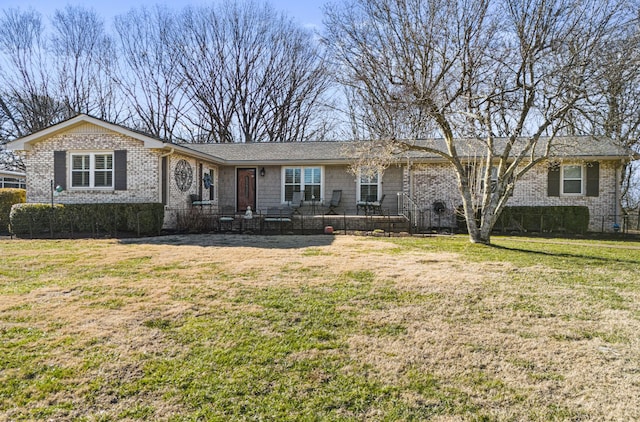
<point>120,169</point>
<point>553,181</point>
<point>593,178</point>
<point>60,169</point>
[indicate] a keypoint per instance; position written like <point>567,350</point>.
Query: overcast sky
<point>307,13</point>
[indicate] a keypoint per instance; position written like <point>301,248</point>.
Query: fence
<point>208,220</point>
<point>631,223</point>
<point>52,223</point>
<point>451,221</point>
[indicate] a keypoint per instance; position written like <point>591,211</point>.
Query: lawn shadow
<point>568,255</point>
<point>235,240</point>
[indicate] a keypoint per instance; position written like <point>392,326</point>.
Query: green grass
<point>98,330</point>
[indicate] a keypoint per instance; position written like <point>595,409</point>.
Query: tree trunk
<point>476,234</point>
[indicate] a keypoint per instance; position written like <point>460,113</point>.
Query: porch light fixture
<point>262,172</point>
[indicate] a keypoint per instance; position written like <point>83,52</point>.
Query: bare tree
<point>495,79</point>
<point>25,78</point>
<point>613,108</point>
<point>251,74</point>
<point>203,47</point>
<point>82,53</point>
<point>150,76</point>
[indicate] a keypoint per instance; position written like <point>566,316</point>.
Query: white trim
<point>92,170</point>
<point>6,180</point>
<point>12,173</point>
<point>582,180</point>
<point>359,185</point>
<point>24,143</point>
<point>302,184</point>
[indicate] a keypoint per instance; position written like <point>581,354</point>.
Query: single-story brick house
<point>96,161</point>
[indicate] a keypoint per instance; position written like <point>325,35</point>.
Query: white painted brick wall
<point>425,183</point>
<point>142,169</point>
<point>143,172</point>
<point>437,182</point>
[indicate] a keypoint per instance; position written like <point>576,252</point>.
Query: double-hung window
<point>302,179</point>
<point>493,178</point>
<point>369,187</point>
<point>312,183</point>
<point>572,177</point>
<point>92,170</point>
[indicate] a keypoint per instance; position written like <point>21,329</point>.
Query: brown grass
<point>513,340</point>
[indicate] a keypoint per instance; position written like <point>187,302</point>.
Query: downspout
<point>164,185</point>
<point>616,195</point>
<point>171,151</point>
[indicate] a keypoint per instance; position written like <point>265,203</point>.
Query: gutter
<point>171,151</point>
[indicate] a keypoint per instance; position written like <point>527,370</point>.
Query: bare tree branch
<point>492,79</point>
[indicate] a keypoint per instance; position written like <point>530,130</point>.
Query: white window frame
<point>564,167</point>
<point>92,170</point>
<point>302,182</point>
<point>493,178</point>
<point>12,182</point>
<point>361,182</point>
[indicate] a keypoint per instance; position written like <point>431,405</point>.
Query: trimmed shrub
<point>542,219</point>
<point>8,198</point>
<point>559,219</point>
<point>95,219</point>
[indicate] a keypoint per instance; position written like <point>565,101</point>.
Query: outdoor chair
<point>197,200</point>
<point>376,206</point>
<point>365,205</point>
<point>279,217</point>
<point>296,202</point>
<point>336,196</point>
<point>226,218</point>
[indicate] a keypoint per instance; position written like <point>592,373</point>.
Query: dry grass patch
<point>335,328</point>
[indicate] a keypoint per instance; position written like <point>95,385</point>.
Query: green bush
<point>559,219</point>
<point>95,219</point>
<point>542,219</point>
<point>8,198</point>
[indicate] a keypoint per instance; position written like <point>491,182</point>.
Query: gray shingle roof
<point>339,152</point>
<point>276,152</point>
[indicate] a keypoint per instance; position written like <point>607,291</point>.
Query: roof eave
<point>285,162</point>
<point>25,143</point>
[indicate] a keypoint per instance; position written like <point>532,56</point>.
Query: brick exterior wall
<point>179,201</point>
<point>143,170</point>
<point>424,183</point>
<point>144,173</point>
<point>427,183</point>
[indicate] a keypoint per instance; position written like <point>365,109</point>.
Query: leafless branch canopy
<point>471,71</point>
<point>232,72</point>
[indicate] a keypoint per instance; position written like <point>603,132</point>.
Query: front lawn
<point>235,327</point>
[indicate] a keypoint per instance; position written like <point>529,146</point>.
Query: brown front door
<point>246,189</point>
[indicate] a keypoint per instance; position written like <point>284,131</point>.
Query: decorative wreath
<point>206,181</point>
<point>183,175</point>
<point>439,207</point>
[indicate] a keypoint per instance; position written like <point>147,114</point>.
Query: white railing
<point>408,208</point>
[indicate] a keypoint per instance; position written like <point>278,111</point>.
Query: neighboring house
<point>96,161</point>
<point>13,179</point>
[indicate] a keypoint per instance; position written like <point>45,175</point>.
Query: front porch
<point>210,219</point>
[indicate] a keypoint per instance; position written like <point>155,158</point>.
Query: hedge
<point>542,219</point>
<point>558,219</point>
<point>8,198</point>
<point>37,220</point>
